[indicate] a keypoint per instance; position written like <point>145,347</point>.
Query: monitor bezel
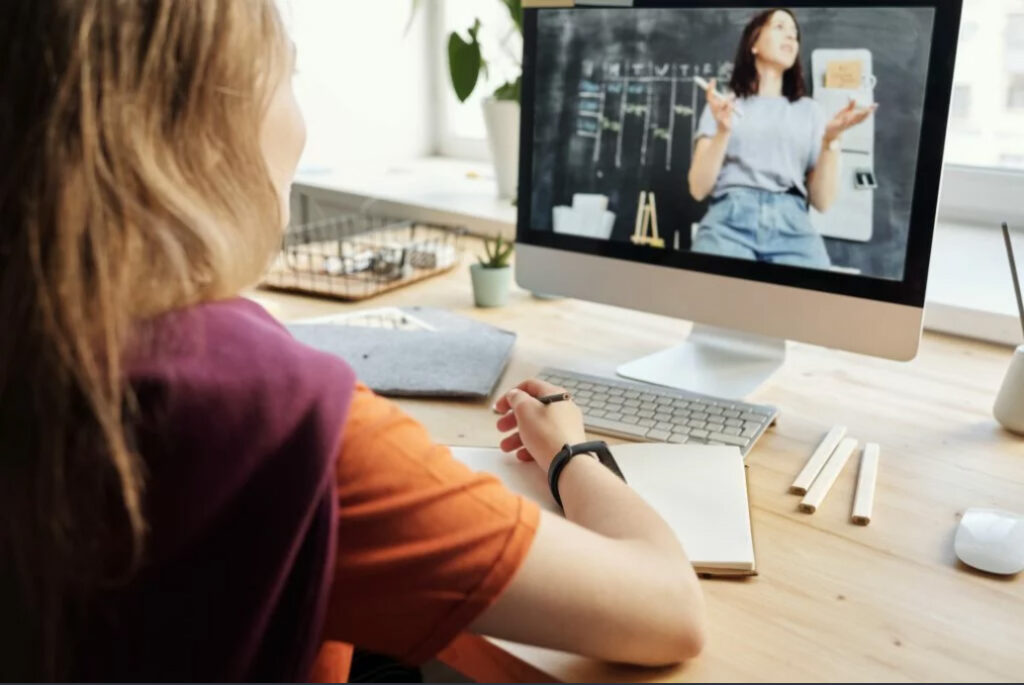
<point>924,204</point>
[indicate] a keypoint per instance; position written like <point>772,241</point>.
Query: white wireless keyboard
<point>652,413</point>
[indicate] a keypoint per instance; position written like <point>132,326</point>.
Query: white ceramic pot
<point>502,120</point>
<point>490,286</point>
<point>1009,408</point>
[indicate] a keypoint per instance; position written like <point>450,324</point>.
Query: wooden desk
<point>833,601</point>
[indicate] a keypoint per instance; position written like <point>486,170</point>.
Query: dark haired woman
<point>766,151</point>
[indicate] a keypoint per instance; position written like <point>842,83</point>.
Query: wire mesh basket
<point>356,256</point>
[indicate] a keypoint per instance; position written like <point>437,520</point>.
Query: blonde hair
<point>133,184</point>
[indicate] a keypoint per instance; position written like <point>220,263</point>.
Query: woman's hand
<point>846,118</point>
<point>722,108</point>
<point>542,429</point>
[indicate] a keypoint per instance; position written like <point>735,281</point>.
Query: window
<point>461,124</point>
<point>1015,31</point>
<point>1012,161</point>
<point>1015,92</point>
<point>961,107</point>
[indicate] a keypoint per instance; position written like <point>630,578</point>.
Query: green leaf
<point>464,62</point>
<point>509,90</point>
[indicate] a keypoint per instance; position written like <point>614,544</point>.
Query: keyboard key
<point>715,427</point>
<point>693,423</point>
<point>631,403</point>
<point>649,423</point>
<point>617,416</point>
<point>662,417</point>
<point>629,419</point>
<point>595,413</point>
<point>598,404</point>
<point>665,426</point>
<point>729,439</point>
<point>750,433</point>
<point>629,411</point>
<point>734,422</point>
<point>585,386</point>
<point>682,404</point>
<point>617,392</point>
<point>660,435</point>
<point>645,414</point>
<point>678,438</point>
<point>699,416</point>
<point>731,430</point>
<point>647,397</point>
<point>696,441</point>
<point>616,427</point>
<point>752,417</point>
<point>731,413</point>
<point>663,400</point>
<point>700,434</point>
<point>632,394</point>
<point>683,430</point>
<point>715,411</point>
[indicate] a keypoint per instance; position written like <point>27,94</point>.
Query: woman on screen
<point>766,151</point>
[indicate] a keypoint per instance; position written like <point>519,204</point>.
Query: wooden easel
<point>647,219</point>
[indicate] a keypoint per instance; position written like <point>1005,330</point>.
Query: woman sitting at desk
<point>766,151</point>
<point>186,492</point>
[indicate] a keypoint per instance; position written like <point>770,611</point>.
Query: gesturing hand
<point>722,107</point>
<point>847,118</point>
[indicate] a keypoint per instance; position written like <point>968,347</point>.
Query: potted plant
<point>501,109</point>
<point>492,276</point>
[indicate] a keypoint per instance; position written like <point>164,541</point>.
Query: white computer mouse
<point>991,540</point>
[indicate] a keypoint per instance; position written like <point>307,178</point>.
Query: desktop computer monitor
<point>768,173</point>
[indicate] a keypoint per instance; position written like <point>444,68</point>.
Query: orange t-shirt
<point>424,544</point>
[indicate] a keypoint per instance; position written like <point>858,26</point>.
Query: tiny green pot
<point>490,286</point>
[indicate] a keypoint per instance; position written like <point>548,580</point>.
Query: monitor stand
<point>713,361</point>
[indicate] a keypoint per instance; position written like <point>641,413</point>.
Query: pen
<point>558,397</point>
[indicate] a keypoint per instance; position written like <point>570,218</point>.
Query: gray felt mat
<point>461,358</point>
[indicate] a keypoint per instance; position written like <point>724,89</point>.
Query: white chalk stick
<point>817,461</point>
<point>823,483</point>
<point>704,84</point>
<point>864,499</point>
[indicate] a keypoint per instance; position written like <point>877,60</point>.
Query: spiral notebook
<point>700,491</point>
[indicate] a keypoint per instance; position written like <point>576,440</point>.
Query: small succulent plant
<point>497,252</point>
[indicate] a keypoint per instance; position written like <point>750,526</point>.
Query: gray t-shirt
<point>773,145</point>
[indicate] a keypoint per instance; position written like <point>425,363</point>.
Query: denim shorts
<point>760,225</point>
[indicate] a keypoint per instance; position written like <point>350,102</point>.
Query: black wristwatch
<point>598,448</point>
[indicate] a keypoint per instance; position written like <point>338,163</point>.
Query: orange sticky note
<point>843,74</point>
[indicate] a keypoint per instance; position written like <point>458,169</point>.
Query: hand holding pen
<point>540,418</point>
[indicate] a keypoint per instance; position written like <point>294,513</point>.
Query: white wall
<point>363,82</point>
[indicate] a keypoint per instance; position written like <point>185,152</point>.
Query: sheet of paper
<point>843,74</point>
<point>700,491</point>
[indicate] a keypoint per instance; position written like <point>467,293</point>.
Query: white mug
<point>1009,408</point>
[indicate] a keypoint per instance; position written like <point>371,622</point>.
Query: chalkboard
<point>616,108</point>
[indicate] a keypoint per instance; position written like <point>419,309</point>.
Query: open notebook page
<point>700,491</point>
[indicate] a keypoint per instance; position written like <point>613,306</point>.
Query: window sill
<point>438,189</point>
<point>970,292</point>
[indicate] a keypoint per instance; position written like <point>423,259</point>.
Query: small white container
<point>1009,408</point>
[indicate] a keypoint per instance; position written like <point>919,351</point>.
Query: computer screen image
<point>818,174</point>
<point>768,173</point>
